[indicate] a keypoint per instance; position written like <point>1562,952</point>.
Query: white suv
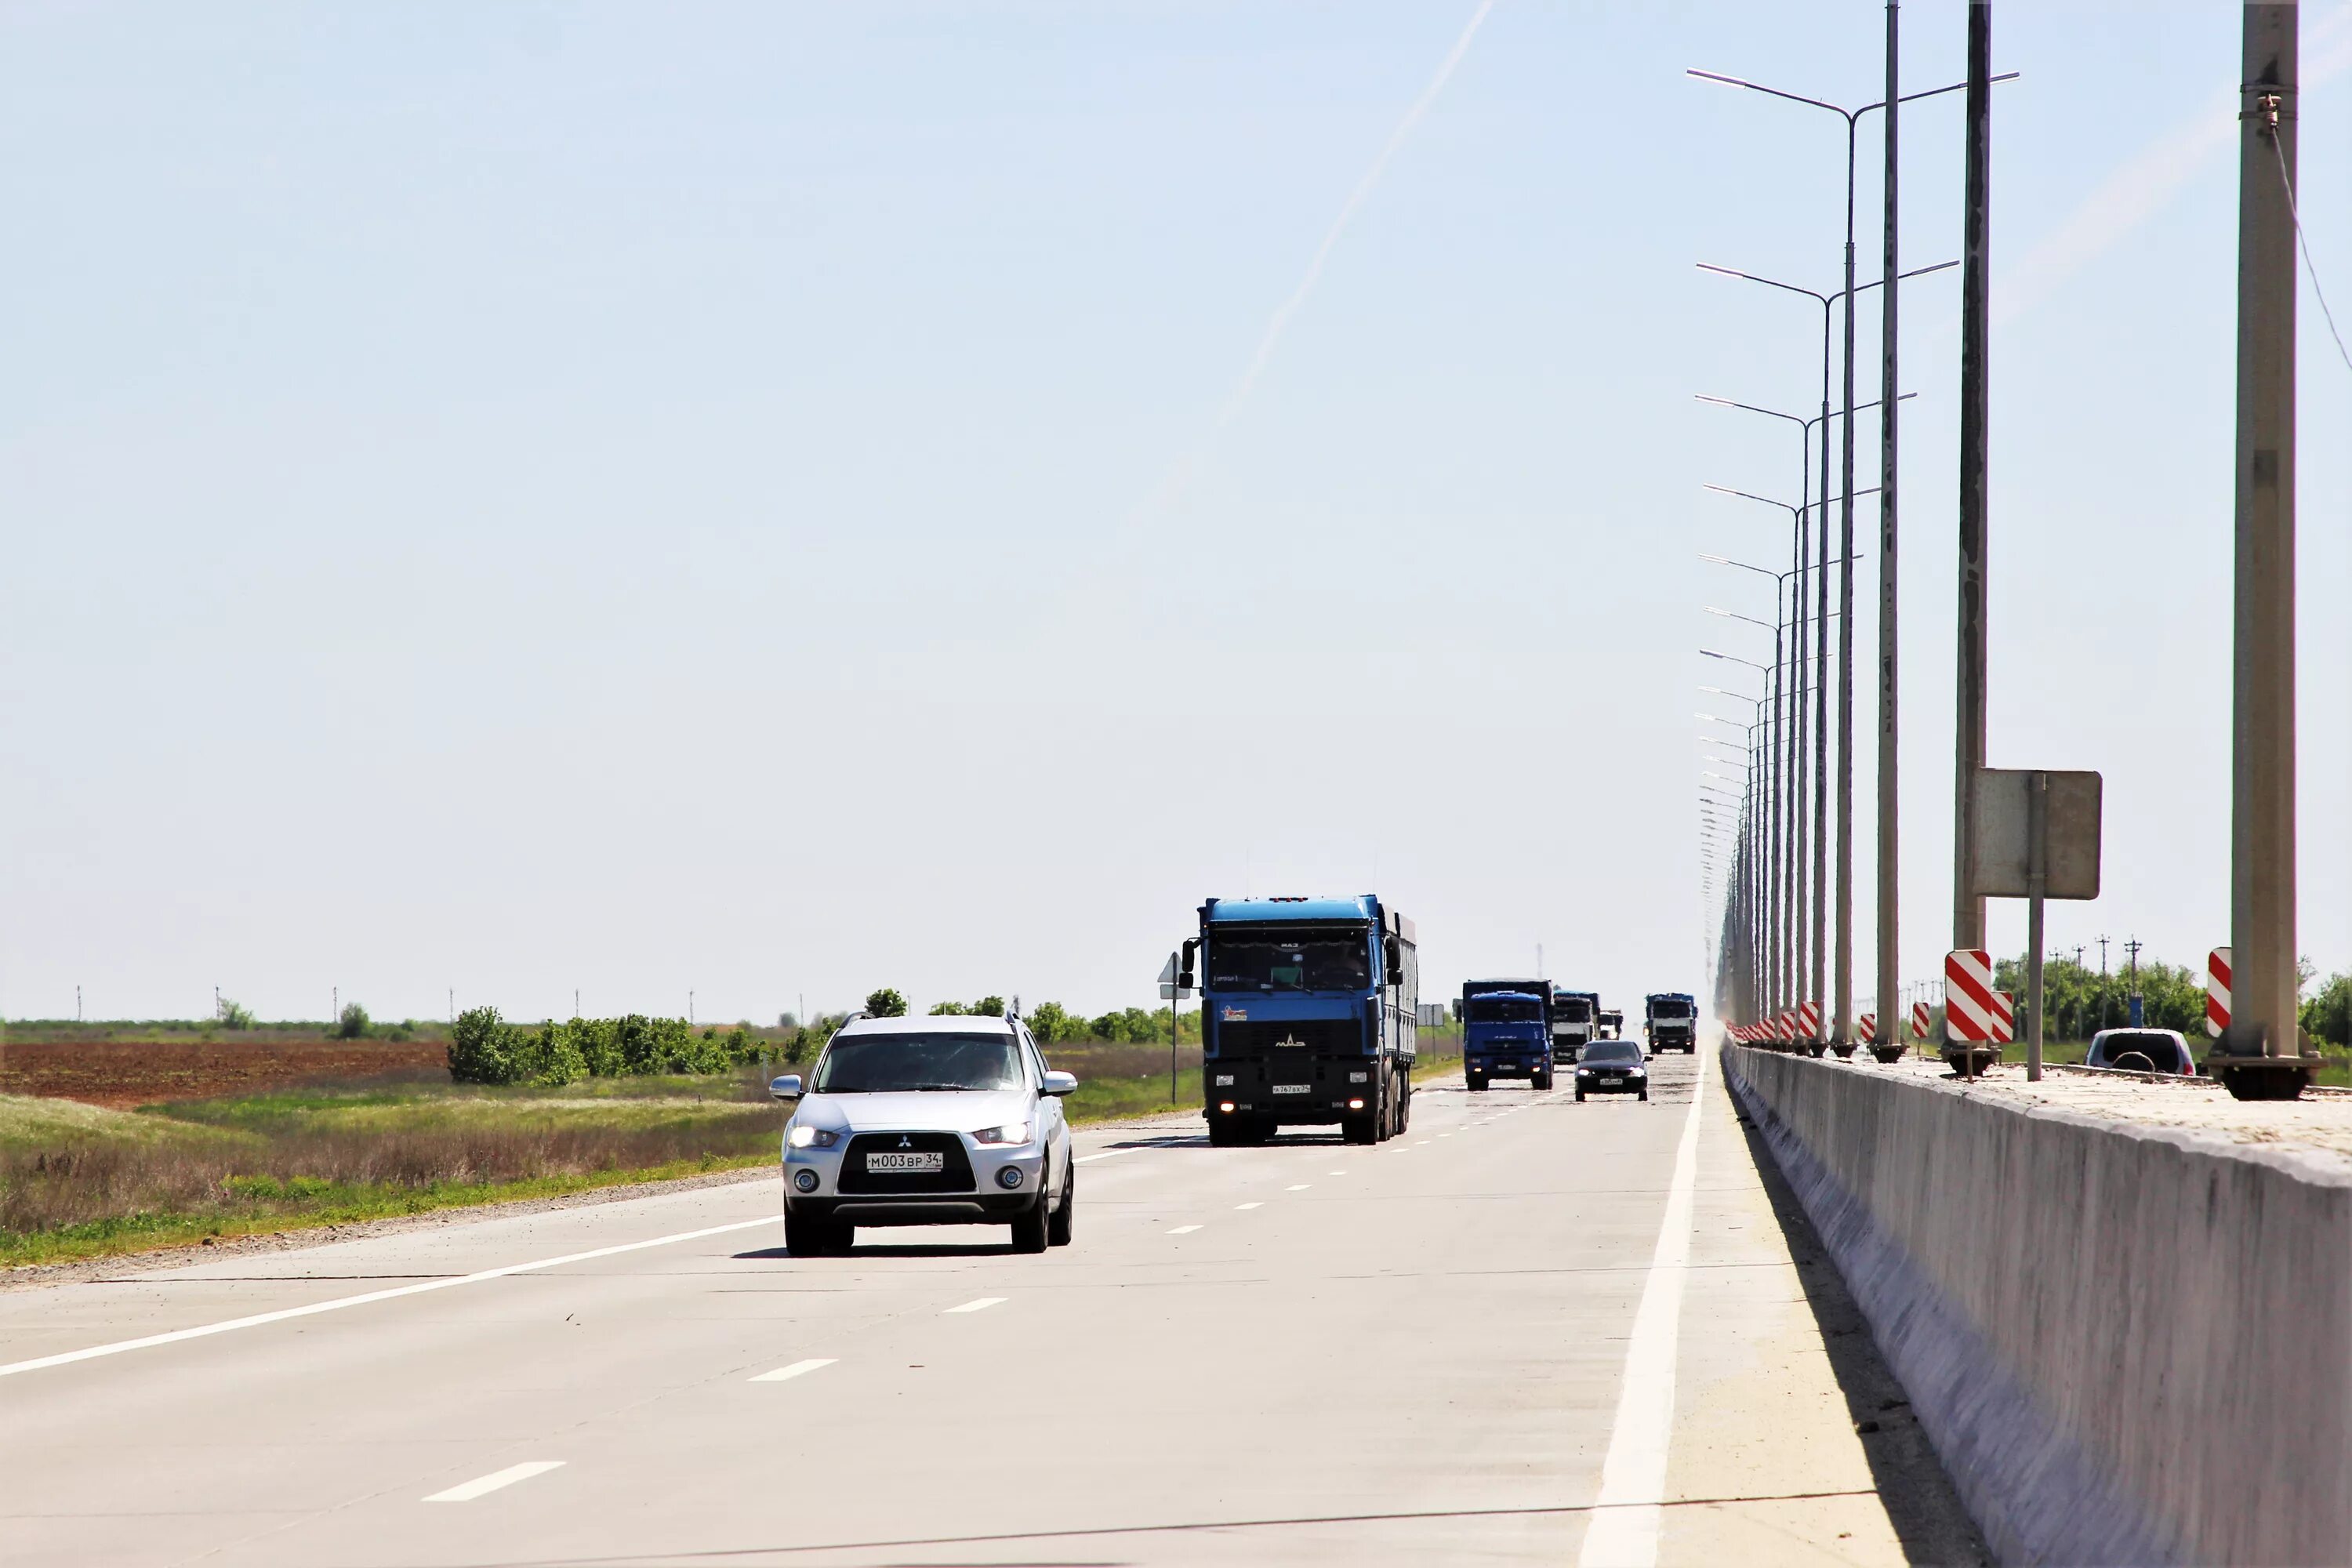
<point>938,1120</point>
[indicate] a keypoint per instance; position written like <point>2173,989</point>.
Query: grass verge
<point>80,1182</point>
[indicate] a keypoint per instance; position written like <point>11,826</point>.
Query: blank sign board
<point>2003,861</point>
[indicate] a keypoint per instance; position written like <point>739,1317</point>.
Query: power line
<point>2303,242</point>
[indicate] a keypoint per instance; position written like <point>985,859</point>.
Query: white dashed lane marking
<point>785,1373</point>
<point>1299,1187</point>
<point>1248,1205</point>
<point>982,1305</point>
<point>1184,1230</point>
<point>482,1485</point>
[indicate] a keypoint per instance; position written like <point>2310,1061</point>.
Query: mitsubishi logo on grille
<point>905,1142</point>
<point>1290,1041</point>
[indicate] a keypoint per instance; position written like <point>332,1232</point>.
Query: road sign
<point>1169,990</point>
<point>1968,993</point>
<point>2216,991</point>
<point>1867,1025</point>
<point>2004,1016</point>
<point>1919,1011</point>
<point>2002,865</point>
<point>1808,1020</point>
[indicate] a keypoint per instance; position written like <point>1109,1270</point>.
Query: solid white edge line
<point>1623,1531</point>
<point>480,1486</point>
<point>258,1319</point>
<point>785,1373</point>
<point>981,1305</point>
<point>1105,1155</point>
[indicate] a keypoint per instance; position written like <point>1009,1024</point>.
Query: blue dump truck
<point>1507,1031</point>
<point>1670,1021</point>
<point>1573,1016</point>
<point>1310,1009</point>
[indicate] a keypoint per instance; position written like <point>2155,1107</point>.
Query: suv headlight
<point>812,1138</point>
<point>1011,1132</point>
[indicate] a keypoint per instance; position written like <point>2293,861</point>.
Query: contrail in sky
<point>1240,395</point>
<point>2145,185</point>
<point>1404,128</point>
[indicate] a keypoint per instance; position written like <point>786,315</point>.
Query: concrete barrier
<point>2129,1345</point>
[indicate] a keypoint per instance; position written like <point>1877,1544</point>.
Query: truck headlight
<point>812,1138</point>
<point>1011,1132</point>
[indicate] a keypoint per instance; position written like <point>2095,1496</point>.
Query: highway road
<point>1527,1331</point>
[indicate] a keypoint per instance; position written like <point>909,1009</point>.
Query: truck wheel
<point>1543,1080</point>
<point>1363,1129</point>
<point>1477,1081</point>
<point>1029,1230</point>
<point>1223,1133</point>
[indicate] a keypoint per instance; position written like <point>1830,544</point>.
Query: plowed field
<point>144,1072</point>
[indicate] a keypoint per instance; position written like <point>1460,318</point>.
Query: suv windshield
<point>1505,1010</point>
<point>1333,962</point>
<point>1612,1051</point>
<point>897,1063</point>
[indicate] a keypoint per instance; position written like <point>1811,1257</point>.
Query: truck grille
<point>1313,1037</point>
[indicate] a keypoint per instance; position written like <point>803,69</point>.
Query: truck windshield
<point>1505,1010</point>
<point>901,1064</point>
<point>1572,1010</point>
<point>1329,963</point>
<point>1670,1009</point>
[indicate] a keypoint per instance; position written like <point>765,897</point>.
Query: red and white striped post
<point>1970,1007</point>
<point>2217,992</point>
<point>1919,1012</point>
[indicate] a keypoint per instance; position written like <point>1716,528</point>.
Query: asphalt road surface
<point>1527,1331</point>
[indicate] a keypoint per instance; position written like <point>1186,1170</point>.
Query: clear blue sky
<point>749,499</point>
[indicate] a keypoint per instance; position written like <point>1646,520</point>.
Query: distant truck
<point>1671,1022</point>
<point>1507,1031</point>
<point>1310,1010</point>
<point>1612,1025</point>
<point>1571,1023</point>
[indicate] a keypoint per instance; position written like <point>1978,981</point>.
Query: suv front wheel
<point>1058,1230</point>
<point>1029,1230</point>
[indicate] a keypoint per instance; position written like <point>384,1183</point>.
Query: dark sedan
<point>1613,1067</point>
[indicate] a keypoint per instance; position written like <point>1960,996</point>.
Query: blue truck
<point>1507,1031</point>
<point>1670,1021</point>
<point>1310,1009</point>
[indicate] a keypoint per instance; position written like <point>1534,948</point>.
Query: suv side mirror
<point>1059,1083</point>
<point>787,1088</point>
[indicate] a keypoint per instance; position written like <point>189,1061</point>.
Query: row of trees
<point>2079,1001</point>
<point>485,1049</point>
<point>1054,1024</point>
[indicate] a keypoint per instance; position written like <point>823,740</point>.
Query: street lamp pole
<point>1841,1030</point>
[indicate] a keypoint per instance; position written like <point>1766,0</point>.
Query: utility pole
<point>1889,419</point>
<point>2264,987</point>
<point>1968,750</point>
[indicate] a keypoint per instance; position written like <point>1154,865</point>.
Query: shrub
<point>235,1016</point>
<point>483,1049</point>
<point>351,1024</point>
<point>2328,1015</point>
<point>886,1002</point>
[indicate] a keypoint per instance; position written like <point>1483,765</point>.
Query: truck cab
<point>1507,1031</point>
<point>1309,1016</point>
<point>1571,1023</point>
<point>1670,1021</point>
